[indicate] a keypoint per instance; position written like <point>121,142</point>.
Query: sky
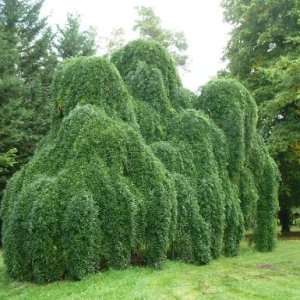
<point>200,20</point>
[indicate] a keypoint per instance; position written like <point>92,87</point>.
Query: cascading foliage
<point>136,169</point>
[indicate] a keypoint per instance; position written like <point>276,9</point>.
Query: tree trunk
<point>285,219</point>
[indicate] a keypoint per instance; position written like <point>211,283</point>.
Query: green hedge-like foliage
<point>90,81</point>
<point>266,179</point>
<point>154,56</point>
<point>192,133</point>
<point>136,169</point>
<point>82,238</point>
<point>192,240</point>
<point>233,109</point>
<point>250,166</point>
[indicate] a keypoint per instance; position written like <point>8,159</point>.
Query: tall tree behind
<point>280,125</point>
<point>263,31</point>
<point>26,40</point>
<point>27,65</point>
<point>71,41</point>
<point>263,52</point>
<point>114,42</point>
<point>30,35</point>
<point>149,27</point>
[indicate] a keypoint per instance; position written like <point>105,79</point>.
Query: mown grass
<point>252,275</point>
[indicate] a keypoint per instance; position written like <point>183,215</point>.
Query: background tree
<point>26,73</point>
<point>280,125</point>
<point>71,41</point>
<point>115,42</point>
<point>263,31</point>
<point>26,69</point>
<point>263,52</point>
<point>149,27</point>
<point>7,160</point>
<point>30,36</point>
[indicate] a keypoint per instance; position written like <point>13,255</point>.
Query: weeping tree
<point>136,169</point>
<point>250,166</point>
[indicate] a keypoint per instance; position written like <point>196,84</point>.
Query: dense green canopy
<point>263,52</point>
<point>136,169</point>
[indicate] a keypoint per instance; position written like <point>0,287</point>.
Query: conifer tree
<point>71,41</point>
<point>26,70</point>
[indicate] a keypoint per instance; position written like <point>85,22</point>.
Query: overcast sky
<point>200,20</point>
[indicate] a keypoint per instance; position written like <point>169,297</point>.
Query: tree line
<point>264,54</point>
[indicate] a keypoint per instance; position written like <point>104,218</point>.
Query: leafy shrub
<point>267,180</point>
<point>90,80</point>
<point>192,241</point>
<point>250,166</point>
<point>248,195</point>
<point>82,238</point>
<point>33,250</point>
<point>192,131</point>
<point>230,105</point>
<point>153,55</point>
<point>132,167</point>
<point>234,222</point>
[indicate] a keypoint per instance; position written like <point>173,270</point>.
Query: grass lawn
<point>252,275</point>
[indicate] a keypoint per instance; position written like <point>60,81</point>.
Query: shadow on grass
<point>294,234</point>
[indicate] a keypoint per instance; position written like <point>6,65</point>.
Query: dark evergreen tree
<point>26,70</point>
<point>26,75</point>
<point>71,41</point>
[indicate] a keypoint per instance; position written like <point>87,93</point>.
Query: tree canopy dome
<point>137,168</point>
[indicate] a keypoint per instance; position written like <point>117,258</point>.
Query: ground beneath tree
<point>294,234</point>
<point>252,275</point>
